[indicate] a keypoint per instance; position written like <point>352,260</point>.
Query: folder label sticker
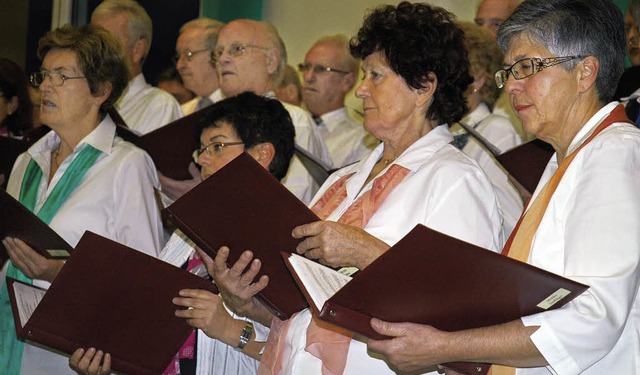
<point>553,298</point>
<point>58,253</point>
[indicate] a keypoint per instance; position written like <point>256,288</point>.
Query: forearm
<point>507,344</point>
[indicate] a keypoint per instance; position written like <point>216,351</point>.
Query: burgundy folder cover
<point>115,299</point>
<point>244,207</point>
<point>170,146</point>
<point>413,282</point>
<point>17,221</point>
<point>527,162</point>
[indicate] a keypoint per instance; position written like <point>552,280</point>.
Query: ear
<point>103,93</point>
<point>587,73</point>
<point>273,60</point>
<point>263,153</point>
<point>348,82</point>
<point>12,105</point>
<point>424,94</point>
<point>479,82</point>
<point>138,50</point>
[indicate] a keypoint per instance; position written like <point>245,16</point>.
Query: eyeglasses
<point>56,78</point>
<point>319,69</point>
<point>188,55</point>
<point>213,148</point>
<point>234,50</point>
<point>528,67</point>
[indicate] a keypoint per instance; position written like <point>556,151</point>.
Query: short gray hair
<point>211,29</point>
<point>139,22</point>
<point>573,28</point>
<point>340,40</point>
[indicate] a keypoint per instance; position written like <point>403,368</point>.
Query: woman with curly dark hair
<point>415,73</point>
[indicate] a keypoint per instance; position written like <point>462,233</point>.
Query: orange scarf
<point>327,342</point>
<point>519,244</point>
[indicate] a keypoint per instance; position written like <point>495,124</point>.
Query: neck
<point>573,122</point>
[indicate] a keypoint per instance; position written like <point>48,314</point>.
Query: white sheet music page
<point>321,282</point>
<point>27,299</point>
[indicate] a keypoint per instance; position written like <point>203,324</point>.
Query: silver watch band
<point>245,335</point>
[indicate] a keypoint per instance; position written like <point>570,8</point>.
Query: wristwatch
<point>245,335</point>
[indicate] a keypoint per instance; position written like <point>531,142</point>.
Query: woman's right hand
<point>90,362</point>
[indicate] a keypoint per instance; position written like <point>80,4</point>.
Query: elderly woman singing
<point>415,73</point>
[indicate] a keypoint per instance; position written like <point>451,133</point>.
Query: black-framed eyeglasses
<point>234,50</point>
<point>527,67</point>
<point>319,69</point>
<point>213,148</point>
<point>56,78</point>
<point>188,54</point>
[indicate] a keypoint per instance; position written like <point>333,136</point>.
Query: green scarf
<point>11,347</point>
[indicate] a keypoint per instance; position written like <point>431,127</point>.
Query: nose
<point>308,74</point>
<point>512,85</point>
<point>362,91</point>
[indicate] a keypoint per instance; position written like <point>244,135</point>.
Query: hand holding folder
<point>242,206</point>
<point>412,282</point>
<point>110,297</point>
<point>17,221</point>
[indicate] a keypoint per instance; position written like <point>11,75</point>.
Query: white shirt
<point>500,132</point>
<point>115,199</point>
<point>146,108</point>
<point>190,106</point>
<point>444,190</point>
<point>590,234</point>
<point>345,137</point>
<point>298,179</point>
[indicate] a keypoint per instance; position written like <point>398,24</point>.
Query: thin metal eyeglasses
<point>319,69</point>
<point>188,54</point>
<point>234,50</point>
<point>56,78</point>
<point>527,67</point>
<point>213,148</point>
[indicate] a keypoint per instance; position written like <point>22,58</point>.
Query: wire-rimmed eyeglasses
<point>188,55</point>
<point>527,67</point>
<point>319,69</point>
<point>213,148</point>
<point>234,50</point>
<point>56,78</point>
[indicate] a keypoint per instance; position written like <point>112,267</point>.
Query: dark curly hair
<point>418,39</point>
<point>98,55</point>
<point>255,119</point>
<point>13,82</point>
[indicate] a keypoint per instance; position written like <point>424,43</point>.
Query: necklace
<point>56,153</point>
<point>388,161</point>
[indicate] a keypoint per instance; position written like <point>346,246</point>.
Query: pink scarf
<point>324,341</point>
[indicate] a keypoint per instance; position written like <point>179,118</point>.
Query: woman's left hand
<point>338,245</point>
<point>32,264</point>
<point>411,347</point>
<point>204,310</point>
<point>90,362</point>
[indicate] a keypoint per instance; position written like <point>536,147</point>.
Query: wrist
<point>245,336</point>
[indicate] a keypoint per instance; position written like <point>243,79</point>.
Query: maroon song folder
<point>17,221</point>
<point>113,298</point>
<point>171,146</point>
<point>527,162</point>
<point>244,207</point>
<point>431,278</point>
